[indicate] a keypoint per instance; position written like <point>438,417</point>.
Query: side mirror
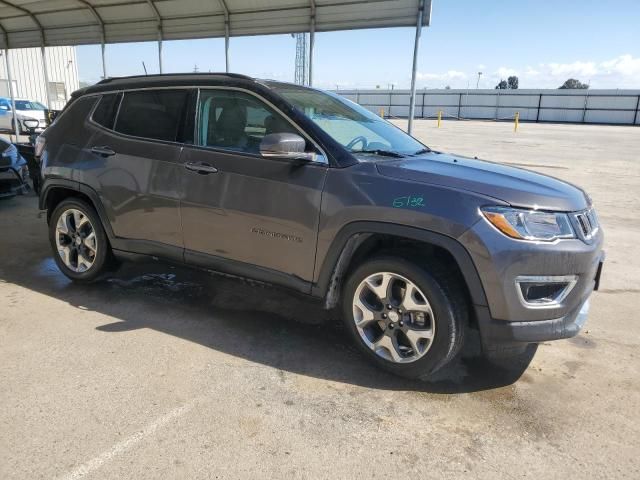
<point>4,107</point>
<point>287,146</point>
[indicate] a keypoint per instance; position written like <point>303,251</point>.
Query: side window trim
<point>115,118</point>
<point>322,156</point>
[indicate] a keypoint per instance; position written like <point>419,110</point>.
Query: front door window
<point>237,121</point>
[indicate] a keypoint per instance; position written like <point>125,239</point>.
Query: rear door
<point>137,167</point>
<point>240,210</point>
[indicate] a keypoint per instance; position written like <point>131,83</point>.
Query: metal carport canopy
<point>30,23</point>
<point>42,23</point>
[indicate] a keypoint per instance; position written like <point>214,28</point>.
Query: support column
<point>160,52</point>
<point>46,76</point>
<point>226,44</point>
<point>312,38</point>
<point>104,63</point>
<point>12,94</point>
<point>412,101</point>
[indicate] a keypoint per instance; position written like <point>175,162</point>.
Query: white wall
<point>588,106</point>
<point>28,74</point>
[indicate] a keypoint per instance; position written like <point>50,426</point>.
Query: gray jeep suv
<point>293,186</point>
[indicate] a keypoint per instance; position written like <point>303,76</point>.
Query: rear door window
<point>153,114</point>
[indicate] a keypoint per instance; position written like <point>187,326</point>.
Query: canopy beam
<point>103,33</point>
<point>31,15</point>
<point>156,13</point>
<point>227,28</point>
<point>12,94</point>
<point>312,39</point>
<point>45,71</point>
<point>424,17</point>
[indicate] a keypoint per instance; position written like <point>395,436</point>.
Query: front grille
<point>587,223</point>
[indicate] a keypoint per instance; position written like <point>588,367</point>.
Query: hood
<point>516,186</point>
<point>37,114</point>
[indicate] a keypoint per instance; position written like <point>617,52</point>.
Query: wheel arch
<point>54,192</point>
<point>357,240</point>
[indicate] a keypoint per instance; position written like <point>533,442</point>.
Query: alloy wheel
<point>76,240</point>
<point>393,317</point>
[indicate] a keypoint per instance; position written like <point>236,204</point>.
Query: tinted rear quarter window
<point>76,110</point>
<point>105,112</point>
<point>154,114</point>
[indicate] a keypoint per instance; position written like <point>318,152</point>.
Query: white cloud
<point>504,72</point>
<point>579,69</point>
<point>439,79</point>
<point>622,65</point>
<point>619,72</point>
<point>622,71</point>
<point>531,72</point>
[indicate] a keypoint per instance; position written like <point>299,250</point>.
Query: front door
<point>243,213</point>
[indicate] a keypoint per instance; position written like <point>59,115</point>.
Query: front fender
<point>350,236</point>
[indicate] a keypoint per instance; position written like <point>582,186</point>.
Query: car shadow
<point>266,325</point>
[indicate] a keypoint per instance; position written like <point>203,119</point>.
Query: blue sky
<point>544,42</point>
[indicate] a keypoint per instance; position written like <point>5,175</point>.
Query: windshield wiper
<point>383,153</point>
<point>421,151</point>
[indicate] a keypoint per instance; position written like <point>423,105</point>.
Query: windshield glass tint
<point>353,126</point>
<point>27,105</point>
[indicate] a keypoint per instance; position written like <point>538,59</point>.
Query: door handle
<point>103,151</point>
<point>203,168</point>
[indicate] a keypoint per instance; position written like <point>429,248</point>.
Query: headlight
<point>38,148</point>
<point>530,224</point>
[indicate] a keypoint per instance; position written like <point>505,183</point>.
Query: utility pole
<point>478,81</point>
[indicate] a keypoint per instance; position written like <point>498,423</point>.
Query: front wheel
<point>78,240</point>
<point>405,318</point>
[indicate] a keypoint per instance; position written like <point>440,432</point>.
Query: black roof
<point>166,80</point>
<point>181,79</point>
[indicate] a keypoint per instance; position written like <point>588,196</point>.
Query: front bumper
<point>506,323</point>
<point>501,338</point>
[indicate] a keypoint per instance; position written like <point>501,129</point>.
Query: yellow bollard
<point>515,126</point>
<point>439,117</point>
<point>381,112</point>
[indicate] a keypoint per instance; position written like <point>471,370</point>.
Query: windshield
<point>351,125</point>
<point>27,105</point>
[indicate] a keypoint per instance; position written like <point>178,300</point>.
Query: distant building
<point>28,76</point>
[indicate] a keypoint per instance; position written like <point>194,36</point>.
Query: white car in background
<point>30,113</point>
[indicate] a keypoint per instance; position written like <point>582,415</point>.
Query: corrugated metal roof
<point>32,23</point>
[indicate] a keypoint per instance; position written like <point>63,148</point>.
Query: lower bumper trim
<point>500,335</point>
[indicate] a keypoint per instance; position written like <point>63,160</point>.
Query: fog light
<point>544,291</point>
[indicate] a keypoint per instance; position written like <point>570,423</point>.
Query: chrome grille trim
<point>586,222</point>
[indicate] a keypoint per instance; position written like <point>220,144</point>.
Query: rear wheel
<point>405,318</point>
<point>78,240</point>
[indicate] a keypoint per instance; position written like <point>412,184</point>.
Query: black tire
<point>448,302</point>
<point>103,258</point>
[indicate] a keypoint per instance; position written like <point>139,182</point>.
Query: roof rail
<point>156,75</point>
